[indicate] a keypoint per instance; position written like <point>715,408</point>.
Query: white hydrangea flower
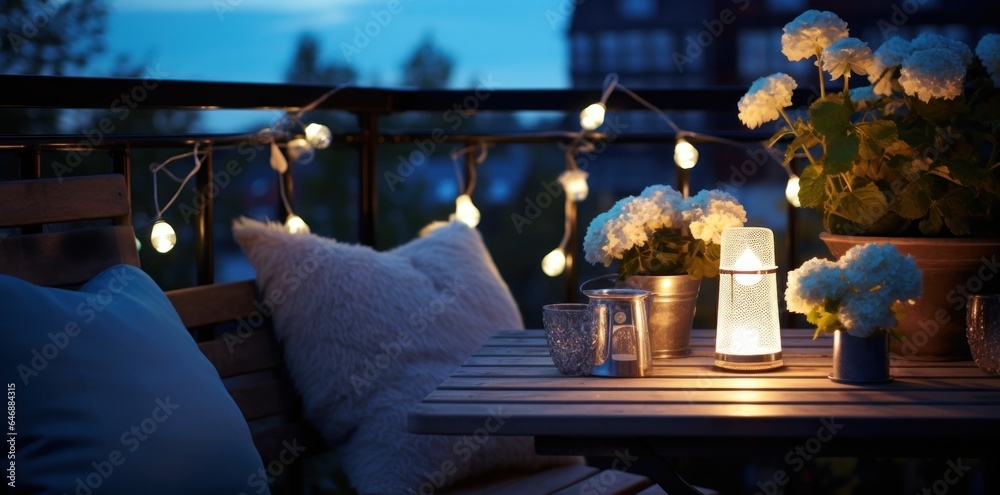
<point>880,271</point>
<point>861,315</point>
<point>931,41</point>
<point>847,55</point>
<point>810,33</point>
<point>671,203</point>
<point>711,212</point>
<point>812,282</point>
<point>766,96</point>
<point>932,73</point>
<point>988,51</point>
<point>886,58</point>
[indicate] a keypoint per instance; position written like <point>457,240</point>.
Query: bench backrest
<point>223,318</point>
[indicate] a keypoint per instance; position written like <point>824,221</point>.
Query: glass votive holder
<point>569,331</point>
<point>982,327</point>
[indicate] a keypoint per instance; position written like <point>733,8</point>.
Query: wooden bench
<point>223,318</point>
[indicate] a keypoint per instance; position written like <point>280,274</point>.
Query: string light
<point>593,116</point>
<point>792,191</point>
<point>163,238</point>
<point>685,154</point>
<point>574,182</point>
<point>465,211</point>
<point>300,151</point>
<point>319,136</point>
<point>554,263</point>
<point>296,225</point>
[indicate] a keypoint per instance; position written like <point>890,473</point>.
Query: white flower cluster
<point>708,213</point>
<point>988,50</point>
<point>765,98</point>
<point>865,283</point>
<point>847,55</point>
<point>930,66</point>
<point>810,33</point>
<point>631,221</point>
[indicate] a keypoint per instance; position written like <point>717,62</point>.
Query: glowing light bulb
<point>299,150</point>
<point>319,136</point>
<point>748,262</point>
<point>592,117</point>
<point>465,211</point>
<point>792,191</point>
<point>575,184</point>
<point>296,225</point>
<point>163,238</point>
<point>744,342</point>
<point>685,154</point>
<point>554,263</point>
<point>138,244</point>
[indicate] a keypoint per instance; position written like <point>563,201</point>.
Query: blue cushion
<point>112,395</point>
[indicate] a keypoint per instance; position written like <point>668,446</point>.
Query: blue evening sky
<point>252,40</point>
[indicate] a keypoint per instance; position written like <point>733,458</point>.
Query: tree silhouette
<point>428,66</point>
<point>307,68</point>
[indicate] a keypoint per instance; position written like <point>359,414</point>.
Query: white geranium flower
<point>810,33</point>
<point>863,95</point>
<point>932,73</point>
<point>765,98</point>
<point>885,59</point>
<point>988,51</point>
<point>931,41</point>
<point>847,55</point>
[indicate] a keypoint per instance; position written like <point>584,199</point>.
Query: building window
<point>633,51</point>
<point>636,9</point>
<point>661,49</point>
<point>786,5</point>
<point>695,60</point>
<point>753,55</point>
<point>582,53</point>
<point>609,50</point>
<point>760,55</point>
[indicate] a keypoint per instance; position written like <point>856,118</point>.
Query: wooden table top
<point>696,408</point>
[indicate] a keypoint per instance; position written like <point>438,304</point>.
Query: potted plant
<point>911,158</point>
<point>860,299</point>
<point>665,244</point>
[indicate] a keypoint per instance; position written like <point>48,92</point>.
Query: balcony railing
<point>366,104</point>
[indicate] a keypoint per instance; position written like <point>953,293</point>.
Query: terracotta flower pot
<point>952,270</point>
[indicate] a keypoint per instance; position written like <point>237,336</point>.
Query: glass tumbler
<point>569,331</point>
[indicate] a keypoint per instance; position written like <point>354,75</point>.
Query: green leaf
<point>812,187</point>
<point>863,205</point>
<point>778,136</point>
<point>914,200</point>
<point>830,119</point>
<point>841,152</point>
<point>965,172</point>
<point>955,206</point>
<point>875,137</point>
<point>931,226</point>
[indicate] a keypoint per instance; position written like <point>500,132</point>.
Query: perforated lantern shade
<point>748,335</point>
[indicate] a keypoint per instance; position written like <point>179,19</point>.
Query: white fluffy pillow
<point>367,335</point>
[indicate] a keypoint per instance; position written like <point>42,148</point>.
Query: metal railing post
<point>367,189</point>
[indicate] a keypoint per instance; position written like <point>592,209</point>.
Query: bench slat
<point>278,442</point>
<point>40,201</point>
<point>233,355</point>
<point>216,303</point>
<point>262,399</point>
<point>67,259</point>
<point>608,481</point>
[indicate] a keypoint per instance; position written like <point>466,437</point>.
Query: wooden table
<point>691,408</point>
